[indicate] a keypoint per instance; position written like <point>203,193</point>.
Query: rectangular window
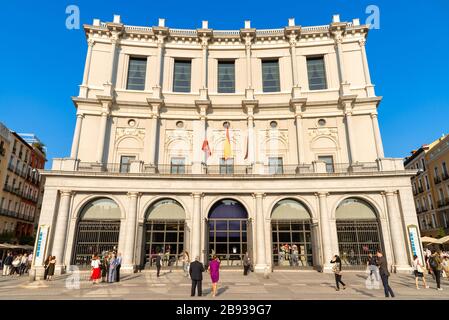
<point>423,165</point>
<point>430,202</point>
<point>125,163</point>
<point>182,76</point>
<point>137,69</point>
<point>444,168</point>
<point>270,76</point>
<point>316,73</point>
<point>329,160</point>
<point>226,76</point>
<point>177,166</point>
<point>427,182</point>
<point>275,165</point>
<point>226,166</point>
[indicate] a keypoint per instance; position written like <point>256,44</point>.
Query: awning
<point>429,240</point>
<point>443,240</point>
<point>15,246</point>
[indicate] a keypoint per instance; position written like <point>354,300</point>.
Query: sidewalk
<point>233,285</point>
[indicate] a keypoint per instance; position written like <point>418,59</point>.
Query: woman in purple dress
<point>214,270</point>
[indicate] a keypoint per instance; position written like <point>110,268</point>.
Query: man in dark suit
<point>158,263</point>
<point>384,274</point>
<point>196,274</point>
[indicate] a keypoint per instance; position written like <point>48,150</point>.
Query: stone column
<point>338,46</point>
<point>261,262</point>
<point>84,85</point>
<point>349,131</point>
<point>130,238</point>
<point>102,132</point>
<point>76,136</point>
<point>248,40</point>
<point>59,239</point>
<point>196,227</point>
<point>292,41</point>
<point>369,85</point>
<point>297,104</point>
<point>155,105</point>
<point>326,237</point>
<point>251,157</point>
<point>204,47</point>
<point>160,59</point>
<point>397,232</point>
<point>378,139</point>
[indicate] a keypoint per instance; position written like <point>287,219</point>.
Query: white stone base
<point>327,268</point>
<point>403,269</point>
<point>61,269</point>
<point>127,268</point>
<point>260,268</point>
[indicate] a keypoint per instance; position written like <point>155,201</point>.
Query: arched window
<point>358,232</point>
<point>291,235</point>
<point>98,230</point>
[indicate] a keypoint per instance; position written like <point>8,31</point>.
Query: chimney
<point>205,24</point>
<point>356,22</point>
<point>247,24</point>
<point>291,22</point>
<point>96,22</point>
<point>117,18</point>
<point>161,22</point>
<point>336,18</point>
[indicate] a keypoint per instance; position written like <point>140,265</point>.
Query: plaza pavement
<point>284,285</point>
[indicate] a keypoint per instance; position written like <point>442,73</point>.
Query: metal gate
<point>292,244</point>
<point>356,239</point>
<point>164,237</point>
<point>228,240</point>
<point>94,237</point>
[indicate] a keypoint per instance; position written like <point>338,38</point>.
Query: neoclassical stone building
<point>306,178</point>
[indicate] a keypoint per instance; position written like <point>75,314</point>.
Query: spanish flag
<point>227,146</point>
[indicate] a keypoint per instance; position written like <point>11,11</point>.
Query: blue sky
<point>42,61</point>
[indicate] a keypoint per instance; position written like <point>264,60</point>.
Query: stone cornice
<point>234,37</point>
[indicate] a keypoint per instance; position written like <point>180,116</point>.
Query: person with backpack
<point>435,263</point>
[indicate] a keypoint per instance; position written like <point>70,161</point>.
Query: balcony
<point>441,203</point>
<point>316,168</point>
<point>445,176</point>
<point>7,188</point>
<point>420,190</point>
<point>437,180</point>
<point>2,151</point>
<point>11,167</point>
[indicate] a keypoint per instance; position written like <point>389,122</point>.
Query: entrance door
<point>228,232</point>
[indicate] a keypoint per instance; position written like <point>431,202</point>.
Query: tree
<point>441,233</point>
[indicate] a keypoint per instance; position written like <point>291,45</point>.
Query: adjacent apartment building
<point>431,186</point>
<point>224,142</point>
<point>21,184</point>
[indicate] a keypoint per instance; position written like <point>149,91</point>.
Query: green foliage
<point>441,233</point>
<point>8,237</point>
<point>27,240</point>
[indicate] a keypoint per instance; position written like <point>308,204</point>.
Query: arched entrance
<point>228,230</point>
<point>97,230</point>
<point>358,232</point>
<point>291,235</point>
<point>164,233</point>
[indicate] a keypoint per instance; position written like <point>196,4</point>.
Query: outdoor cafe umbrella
<point>443,239</point>
<point>429,240</point>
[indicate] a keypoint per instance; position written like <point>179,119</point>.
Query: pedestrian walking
<point>214,270</point>
<point>7,264</point>
<point>104,267</point>
<point>23,264</point>
<point>196,270</point>
<point>158,263</point>
<point>112,270</point>
<point>46,264</point>
<point>16,265</point>
<point>436,265</point>
<point>246,264</point>
<point>384,274</point>
<point>51,268</point>
<point>118,263</point>
<point>418,270</point>
<point>336,268</point>
<point>96,270</point>
<point>186,263</point>
<point>372,267</point>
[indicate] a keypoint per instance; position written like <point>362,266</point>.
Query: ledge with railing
<point>437,180</point>
<point>314,168</point>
